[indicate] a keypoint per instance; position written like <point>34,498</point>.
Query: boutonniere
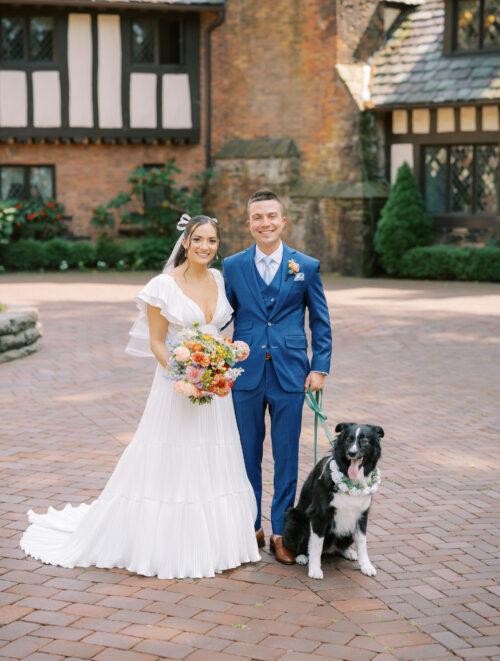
<point>294,269</point>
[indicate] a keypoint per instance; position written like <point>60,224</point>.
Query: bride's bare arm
<point>158,327</point>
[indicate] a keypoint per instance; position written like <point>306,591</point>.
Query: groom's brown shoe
<point>259,536</point>
<point>280,551</point>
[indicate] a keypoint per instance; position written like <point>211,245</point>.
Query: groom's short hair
<point>263,195</point>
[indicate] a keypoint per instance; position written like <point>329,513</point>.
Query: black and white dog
<point>332,512</point>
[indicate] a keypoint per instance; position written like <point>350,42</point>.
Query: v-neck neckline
<point>195,303</point>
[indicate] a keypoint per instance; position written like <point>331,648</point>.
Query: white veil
<point>185,218</point>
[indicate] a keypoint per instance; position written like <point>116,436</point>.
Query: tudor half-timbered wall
<point>105,75</point>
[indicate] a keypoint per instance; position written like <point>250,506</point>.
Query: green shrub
<point>154,203</point>
<point>404,222</point>
<point>54,253</point>
<point>23,255</point>
<point>442,262</point>
<point>82,254</point>
<point>151,254</point>
<point>109,251</point>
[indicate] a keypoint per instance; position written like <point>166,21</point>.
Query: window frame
<point>27,167</point>
<point>26,63</point>
<point>157,21</point>
<point>474,200</point>
<point>450,32</point>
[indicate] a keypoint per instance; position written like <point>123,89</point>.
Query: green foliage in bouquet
<point>404,223</point>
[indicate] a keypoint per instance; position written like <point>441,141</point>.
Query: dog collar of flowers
<point>293,267</point>
<point>354,487</point>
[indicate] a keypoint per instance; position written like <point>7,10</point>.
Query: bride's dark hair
<point>193,224</point>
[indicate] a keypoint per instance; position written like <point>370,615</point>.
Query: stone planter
<point>20,333</point>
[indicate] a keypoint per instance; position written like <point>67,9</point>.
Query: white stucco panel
<point>109,72</point>
<point>400,153</point>
<point>143,100</point>
<point>176,101</point>
<point>80,70</point>
<point>46,99</point>
<point>490,118</point>
<point>13,99</point>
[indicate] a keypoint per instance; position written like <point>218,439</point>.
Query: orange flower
<point>200,358</point>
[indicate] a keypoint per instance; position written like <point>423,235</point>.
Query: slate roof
<point>412,70</point>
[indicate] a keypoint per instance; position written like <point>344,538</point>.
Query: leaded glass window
<point>23,182</point>
<point>461,179</point>
<point>435,179</point>
<point>27,39</point>
<point>491,22</point>
<point>11,38</point>
<point>41,39</point>
<point>143,41</point>
<point>156,42</point>
<point>477,24</point>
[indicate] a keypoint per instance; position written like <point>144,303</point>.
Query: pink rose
<point>242,350</point>
<point>182,354</point>
<point>194,374</point>
<point>187,389</point>
<point>293,266</point>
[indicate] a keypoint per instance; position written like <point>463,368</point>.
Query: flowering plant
<point>293,267</point>
<point>201,365</point>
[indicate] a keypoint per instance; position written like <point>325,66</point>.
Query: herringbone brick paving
<point>420,359</point>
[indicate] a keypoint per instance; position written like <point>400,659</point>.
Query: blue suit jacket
<point>282,330</point>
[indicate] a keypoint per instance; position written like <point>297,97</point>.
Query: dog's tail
<point>296,531</point>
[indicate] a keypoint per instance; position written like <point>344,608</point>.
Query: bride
<point>179,503</point>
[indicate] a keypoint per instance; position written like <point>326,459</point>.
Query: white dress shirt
<point>275,257</point>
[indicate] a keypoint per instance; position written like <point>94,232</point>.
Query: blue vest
<point>270,292</point>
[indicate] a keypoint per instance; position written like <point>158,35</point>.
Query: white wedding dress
<point>179,503</point>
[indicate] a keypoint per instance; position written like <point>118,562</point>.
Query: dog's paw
<point>349,554</point>
<point>302,559</point>
<point>368,569</point>
<point>315,572</point>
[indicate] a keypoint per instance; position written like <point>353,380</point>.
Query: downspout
<point>208,85</point>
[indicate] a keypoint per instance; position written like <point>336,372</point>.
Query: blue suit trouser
<point>285,409</point>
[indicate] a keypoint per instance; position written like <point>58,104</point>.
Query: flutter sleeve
<point>158,293</point>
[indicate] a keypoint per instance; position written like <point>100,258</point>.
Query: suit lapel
<point>286,280</point>
<point>250,276</point>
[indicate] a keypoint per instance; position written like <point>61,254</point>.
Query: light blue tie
<point>267,276</point>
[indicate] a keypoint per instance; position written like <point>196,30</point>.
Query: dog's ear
<point>378,430</point>
<point>342,426</point>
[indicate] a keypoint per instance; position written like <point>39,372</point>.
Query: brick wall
<point>90,175</point>
<point>273,75</point>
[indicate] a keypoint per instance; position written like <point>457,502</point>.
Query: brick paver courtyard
<point>420,359</point>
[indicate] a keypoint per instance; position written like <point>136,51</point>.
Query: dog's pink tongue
<point>353,470</point>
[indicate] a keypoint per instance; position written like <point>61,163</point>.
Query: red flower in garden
<point>19,205</point>
<point>43,213</point>
<point>50,205</point>
<point>31,216</point>
<point>58,217</point>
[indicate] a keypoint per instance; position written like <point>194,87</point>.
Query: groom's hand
<point>315,381</point>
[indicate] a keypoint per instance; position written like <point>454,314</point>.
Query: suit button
<point>272,300</point>
<point>263,346</point>
<point>269,323</point>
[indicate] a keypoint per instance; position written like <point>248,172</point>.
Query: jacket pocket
<point>244,325</point>
<point>296,341</point>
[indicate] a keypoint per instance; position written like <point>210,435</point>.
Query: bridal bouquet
<point>201,365</point>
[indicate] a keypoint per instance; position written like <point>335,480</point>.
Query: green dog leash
<point>315,403</point>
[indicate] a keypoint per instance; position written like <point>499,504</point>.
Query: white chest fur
<point>348,510</point>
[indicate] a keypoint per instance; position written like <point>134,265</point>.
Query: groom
<point>269,286</point>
